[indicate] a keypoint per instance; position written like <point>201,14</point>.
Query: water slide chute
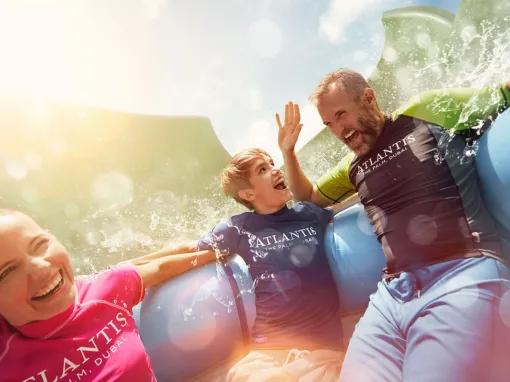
<point>87,173</point>
<point>172,332</point>
<point>352,249</point>
<point>75,144</point>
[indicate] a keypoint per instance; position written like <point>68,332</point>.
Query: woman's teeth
<point>50,288</point>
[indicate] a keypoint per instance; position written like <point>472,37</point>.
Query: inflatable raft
<point>202,318</point>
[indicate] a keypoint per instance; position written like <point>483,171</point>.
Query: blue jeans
<point>445,322</point>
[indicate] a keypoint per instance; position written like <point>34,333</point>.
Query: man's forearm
<point>299,184</point>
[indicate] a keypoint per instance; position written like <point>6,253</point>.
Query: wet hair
<point>346,79</point>
<point>235,177</point>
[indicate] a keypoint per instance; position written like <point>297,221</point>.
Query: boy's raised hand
<point>288,133</point>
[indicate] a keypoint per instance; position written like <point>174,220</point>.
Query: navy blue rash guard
<point>295,294</point>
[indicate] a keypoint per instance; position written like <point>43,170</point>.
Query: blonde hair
<point>235,177</point>
<point>346,79</point>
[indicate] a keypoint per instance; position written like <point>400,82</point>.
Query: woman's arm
<point>174,249</point>
<point>168,262</point>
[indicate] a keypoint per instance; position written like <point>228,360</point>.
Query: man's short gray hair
<point>348,80</point>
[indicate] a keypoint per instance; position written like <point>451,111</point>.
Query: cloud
<point>255,99</point>
<point>340,16</point>
<point>153,8</point>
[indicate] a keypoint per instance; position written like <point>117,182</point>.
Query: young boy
<point>297,330</point>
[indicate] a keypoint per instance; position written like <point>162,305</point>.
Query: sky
<point>236,62</point>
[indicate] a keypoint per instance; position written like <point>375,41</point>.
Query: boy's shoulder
<point>302,204</point>
<point>306,206</point>
<point>233,223</point>
<point>242,217</point>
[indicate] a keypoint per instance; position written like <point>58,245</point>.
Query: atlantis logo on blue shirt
<point>385,155</point>
<point>270,240</point>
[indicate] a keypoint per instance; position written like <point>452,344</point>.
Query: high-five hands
<point>288,133</point>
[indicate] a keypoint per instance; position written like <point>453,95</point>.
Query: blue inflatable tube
<point>355,257</point>
<point>198,319</point>
<point>493,166</point>
<point>195,321</point>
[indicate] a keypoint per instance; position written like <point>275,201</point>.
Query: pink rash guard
<point>95,339</point>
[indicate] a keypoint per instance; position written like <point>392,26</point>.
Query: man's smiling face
<point>357,123</point>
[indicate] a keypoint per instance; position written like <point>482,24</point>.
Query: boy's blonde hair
<point>235,177</point>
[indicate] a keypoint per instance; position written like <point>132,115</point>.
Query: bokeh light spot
<point>112,190</point>
<point>16,169</point>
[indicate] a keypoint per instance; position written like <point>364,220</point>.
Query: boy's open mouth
<point>280,185</point>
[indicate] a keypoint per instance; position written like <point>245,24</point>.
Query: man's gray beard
<point>369,124</point>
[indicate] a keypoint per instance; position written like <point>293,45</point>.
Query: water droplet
<point>470,151</point>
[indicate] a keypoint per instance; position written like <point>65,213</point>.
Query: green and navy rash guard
<point>422,197</point>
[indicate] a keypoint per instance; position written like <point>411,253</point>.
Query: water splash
<point>207,291</point>
<point>442,146</point>
<point>151,221</point>
<point>475,57</point>
<point>155,218</point>
<point>469,153</point>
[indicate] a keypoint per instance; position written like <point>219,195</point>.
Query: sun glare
<point>70,52</point>
<point>32,63</point>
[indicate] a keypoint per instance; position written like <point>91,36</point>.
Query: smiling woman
<point>36,278</point>
<point>86,325</point>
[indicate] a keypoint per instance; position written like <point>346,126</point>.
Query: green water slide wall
<point>89,174</point>
<point>110,184</point>
<point>428,48</point>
